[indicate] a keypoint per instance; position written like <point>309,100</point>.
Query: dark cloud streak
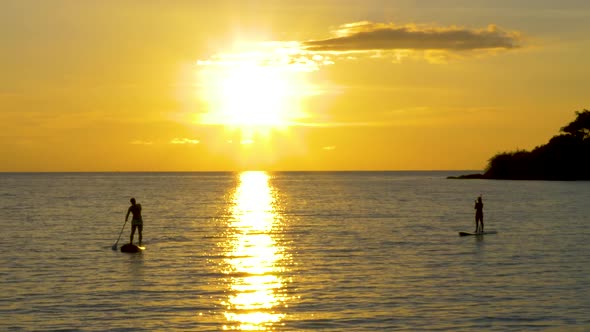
<point>365,36</point>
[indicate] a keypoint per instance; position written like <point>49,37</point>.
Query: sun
<point>256,89</point>
<point>252,95</point>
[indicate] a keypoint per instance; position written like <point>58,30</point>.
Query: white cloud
<point>184,141</point>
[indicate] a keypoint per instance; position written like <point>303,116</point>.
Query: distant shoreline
<point>479,176</point>
<point>469,176</point>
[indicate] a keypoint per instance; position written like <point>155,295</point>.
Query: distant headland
<point>566,157</point>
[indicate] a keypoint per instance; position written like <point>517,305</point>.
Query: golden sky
<point>285,85</point>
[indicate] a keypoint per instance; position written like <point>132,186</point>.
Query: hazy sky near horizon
<point>285,85</point>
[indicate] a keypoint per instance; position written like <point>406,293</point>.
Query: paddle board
<point>484,233</point>
<point>131,248</point>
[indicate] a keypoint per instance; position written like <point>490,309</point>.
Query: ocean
<point>292,251</point>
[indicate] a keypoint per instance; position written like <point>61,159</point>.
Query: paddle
<point>122,228</point>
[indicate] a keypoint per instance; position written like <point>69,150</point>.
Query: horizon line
<point>250,170</point>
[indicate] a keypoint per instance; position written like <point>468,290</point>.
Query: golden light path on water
<point>256,293</point>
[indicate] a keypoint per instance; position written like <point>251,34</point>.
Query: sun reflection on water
<point>253,263</point>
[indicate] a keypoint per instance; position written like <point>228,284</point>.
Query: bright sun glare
<point>257,290</point>
<point>256,89</point>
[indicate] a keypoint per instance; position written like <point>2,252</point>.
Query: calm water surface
<point>317,251</point>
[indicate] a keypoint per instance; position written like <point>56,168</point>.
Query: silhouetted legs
<point>139,229</point>
<point>479,224</point>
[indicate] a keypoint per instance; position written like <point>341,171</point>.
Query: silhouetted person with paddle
<point>136,220</point>
<point>478,215</point>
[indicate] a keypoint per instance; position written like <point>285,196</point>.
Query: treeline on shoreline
<point>565,157</point>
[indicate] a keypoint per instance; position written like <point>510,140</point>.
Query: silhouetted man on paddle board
<point>136,220</point>
<point>478,215</point>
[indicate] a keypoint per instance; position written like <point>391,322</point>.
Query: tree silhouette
<point>579,127</point>
<point>565,157</point>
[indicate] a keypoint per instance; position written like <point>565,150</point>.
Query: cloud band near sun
<point>368,36</point>
<point>372,40</point>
